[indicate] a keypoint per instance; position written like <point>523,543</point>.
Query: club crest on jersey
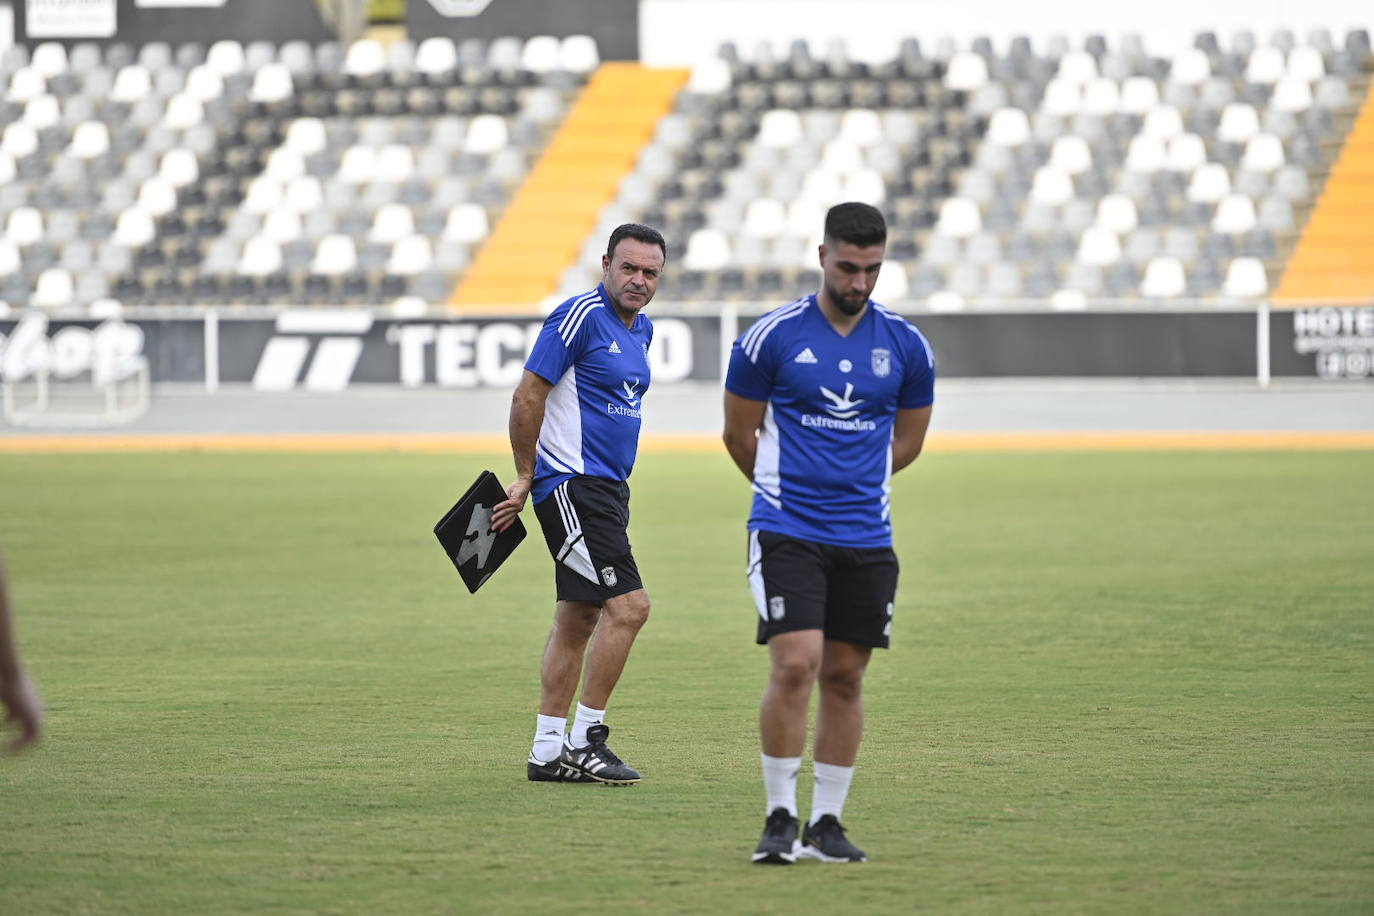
<point>614,347</point>
<point>882,362</point>
<point>777,607</point>
<point>608,575</point>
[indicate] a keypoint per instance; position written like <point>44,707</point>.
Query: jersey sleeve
<point>557,347</point>
<point>918,384</point>
<point>750,378</point>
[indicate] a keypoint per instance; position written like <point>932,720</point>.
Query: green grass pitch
<point>1119,683</point>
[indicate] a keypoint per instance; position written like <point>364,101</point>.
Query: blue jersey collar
<point>610,307</point>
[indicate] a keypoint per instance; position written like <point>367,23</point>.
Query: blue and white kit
<point>824,457</point>
<point>600,372</point>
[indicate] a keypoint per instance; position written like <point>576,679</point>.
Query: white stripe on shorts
<point>573,554</point>
<point>756,575</point>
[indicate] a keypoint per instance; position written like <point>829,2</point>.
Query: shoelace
<point>606,754</point>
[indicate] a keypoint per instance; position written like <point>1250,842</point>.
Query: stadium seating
<point>1078,173</point>
<point>299,174</point>
<point>265,174</point>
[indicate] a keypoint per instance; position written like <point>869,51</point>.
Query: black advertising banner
<point>330,349</point>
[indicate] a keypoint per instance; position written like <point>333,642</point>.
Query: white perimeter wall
<point>682,32</point>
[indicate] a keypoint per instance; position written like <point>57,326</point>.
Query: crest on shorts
<point>608,575</point>
<point>777,607</point>
<point>882,362</point>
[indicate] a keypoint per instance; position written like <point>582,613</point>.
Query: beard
<point>847,304</point>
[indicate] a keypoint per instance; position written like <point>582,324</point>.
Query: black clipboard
<point>466,536</point>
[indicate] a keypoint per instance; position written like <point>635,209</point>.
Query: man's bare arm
<point>526,419</point>
<point>909,435</point>
<point>743,419</point>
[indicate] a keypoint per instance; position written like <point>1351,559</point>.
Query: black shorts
<point>846,592</point>
<point>585,521</point>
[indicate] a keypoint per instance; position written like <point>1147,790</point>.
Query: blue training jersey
<point>825,450</point>
<point>599,370</point>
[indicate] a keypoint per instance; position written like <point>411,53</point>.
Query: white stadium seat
<point>272,83</point>
<point>131,84</point>
<point>1235,215</point>
<point>306,136</point>
<point>486,134</point>
<point>764,217</point>
<point>1190,67</point>
<point>1051,186</point>
<point>1245,278</point>
<point>157,197</point>
<point>365,57</point>
<point>54,288</point>
<point>282,226</point>
<point>1162,122</point>
<point>436,55</point>
<point>134,228</point>
<point>226,57</point>
<point>1008,127</point>
<point>391,223</point>
<point>1099,247</point>
<point>578,54</point>
<point>24,226</point>
<point>410,256</point>
<point>335,254</point>
<point>1239,122</point>
<point>1164,279</point>
<point>1117,212</point>
<point>89,140</point>
<point>1209,184</point>
<point>467,223</point>
<point>1266,66</point>
<point>1263,153</point>
<point>707,249</point>
<point>26,83</point>
<point>959,218</point>
<point>967,71</point>
<point>261,256</point>
<point>780,128</point>
<point>1071,154</point>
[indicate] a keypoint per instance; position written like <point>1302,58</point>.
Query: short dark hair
<point>858,224</point>
<point>640,233</point>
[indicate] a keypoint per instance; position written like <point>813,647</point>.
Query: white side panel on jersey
<point>560,438</point>
<point>887,485</point>
<point>756,575</point>
<point>573,554</point>
<point>767,482</point>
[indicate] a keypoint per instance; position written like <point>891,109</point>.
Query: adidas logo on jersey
<point>614,347</point>
<point>806,356</point>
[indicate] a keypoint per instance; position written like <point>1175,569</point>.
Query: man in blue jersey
<point>825,398</point>
<point>574,430</point>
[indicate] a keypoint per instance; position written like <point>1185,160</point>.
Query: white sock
<point>548,738</point>
<point>830,791</point>
<point>586,718</point>
<point>780,782</point>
